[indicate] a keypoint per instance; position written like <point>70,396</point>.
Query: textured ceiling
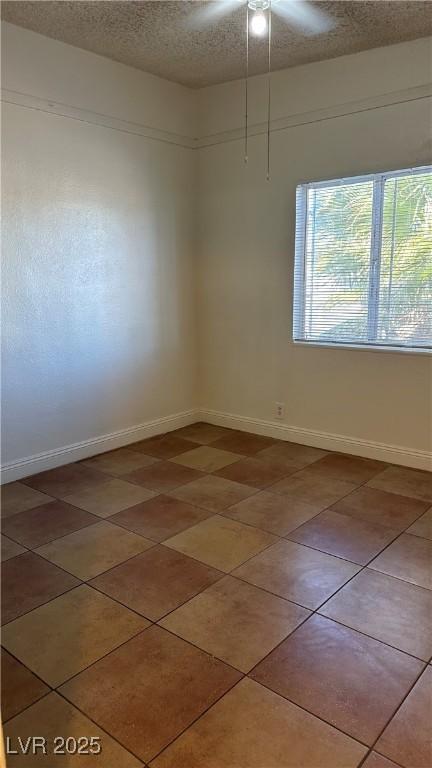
<point>162,37</point>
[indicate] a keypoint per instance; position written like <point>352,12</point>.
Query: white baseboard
<point>40,462</point>
<point>393,454</point>
<point>77,451</point>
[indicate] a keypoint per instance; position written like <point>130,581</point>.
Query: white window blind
<point>363,262</point>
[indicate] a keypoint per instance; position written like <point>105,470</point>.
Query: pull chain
<point>269,89</point>
<point>246,84</point>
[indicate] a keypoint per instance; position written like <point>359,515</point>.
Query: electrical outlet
<point>280,410</point>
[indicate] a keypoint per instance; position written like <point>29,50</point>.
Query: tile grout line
<point>228,573</point>
<point>221,514</point>
<point>142,615</point>
<point>85,582</point>
<point>313,714</point>
<point>223,574</point>
<point>167,745</point>
<point>55,689</point>
<point>24,709</point>
<point>395,713</point>
<point>116,648</point>
<point>235,669</point>
<point>14,541</point>
<point>69,589</point>
<point>311,613</point>
<point>212,473</point>
<point>84,669</point>
<point>110,735</point>
<point>316,612</point>
<point>308,711</point>
<point>50,541</point>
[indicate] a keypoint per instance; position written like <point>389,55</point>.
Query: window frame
<point>299,296</point>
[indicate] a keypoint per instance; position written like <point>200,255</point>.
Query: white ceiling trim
<point>95,118</point>
<point>189,142</point>
<point>318,115</point>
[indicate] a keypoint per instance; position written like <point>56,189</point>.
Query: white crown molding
<point>318,115</point>
<point>40,462</point>
<point>393,454</point>
<point>188,142</point>
<point>95,118</point>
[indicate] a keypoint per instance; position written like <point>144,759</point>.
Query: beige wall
<point>248,360</point>
<point>122,243</point>
<point>39,66</point>
<point>98,280</point>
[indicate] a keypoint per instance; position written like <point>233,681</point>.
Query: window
<point>363,263</point>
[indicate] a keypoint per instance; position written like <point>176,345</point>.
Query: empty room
<point>216,384</point>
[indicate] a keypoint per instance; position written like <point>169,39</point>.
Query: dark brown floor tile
<point>213,493</point>
<point>42,524</point>
<point>148,691</point>
<point>292,454</point>
<point>408,558</point>
<point>344,536</point>
<point>201,433</point>
<point>388,609</point>
<point>160,518</point>
<point>271,512</point>
<point>19,686</point>
<point>313,487</point>
<point>10,549</point>
<point>377,506</point>
<point>407,482</point>
<point>17,497</point>
<point>60,482</point>
<point>156,582</point>
<point>408,737</point>
<point>235,622</point>
<point>252,727</point>
<point>66,635</point>
<point>297,573</point>
<point>164,446</point>
<point>244,442</point>
<point>28,581</point>
<point>423,526</point>
<point>119,462</point>
<point>374,760</point>
<point>255,472</point>
<point>352,681</point>
<point>164,476</point>
<point>53,717</point>
<point>353,469</point>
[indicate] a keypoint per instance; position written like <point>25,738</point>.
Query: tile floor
<point>215,599</point>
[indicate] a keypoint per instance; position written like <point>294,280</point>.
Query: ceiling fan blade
<point>211,11</point>
<point>304,16</point>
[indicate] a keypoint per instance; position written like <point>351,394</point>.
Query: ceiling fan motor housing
<point>258,5</point>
